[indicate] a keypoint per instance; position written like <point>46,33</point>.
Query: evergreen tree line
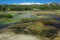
<point>51,6</point>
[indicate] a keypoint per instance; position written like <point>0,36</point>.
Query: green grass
<point>6,21</point>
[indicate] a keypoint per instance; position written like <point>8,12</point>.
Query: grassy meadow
<point>42,26</point>
<point>30,22</point>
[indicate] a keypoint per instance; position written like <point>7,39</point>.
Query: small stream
<point>57,24</point>
<point>20,16</point>
<point>17,17</point>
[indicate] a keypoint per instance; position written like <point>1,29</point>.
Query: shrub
<point>24,30</point>
<point>49,33</point>
<point>19,28</point>
<point>1,16</point>
<point>36,27</point>
<point>6,16</point>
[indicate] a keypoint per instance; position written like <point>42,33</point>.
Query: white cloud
<point>27,3</point>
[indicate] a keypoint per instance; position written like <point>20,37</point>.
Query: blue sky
<point>22,1</point>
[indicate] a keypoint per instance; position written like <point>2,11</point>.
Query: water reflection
<point>20,16</point>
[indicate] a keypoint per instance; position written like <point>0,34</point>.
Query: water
<point>2,26</point>
<point>20,16</point>
<point>57,24</point>
<point>58,19</point>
